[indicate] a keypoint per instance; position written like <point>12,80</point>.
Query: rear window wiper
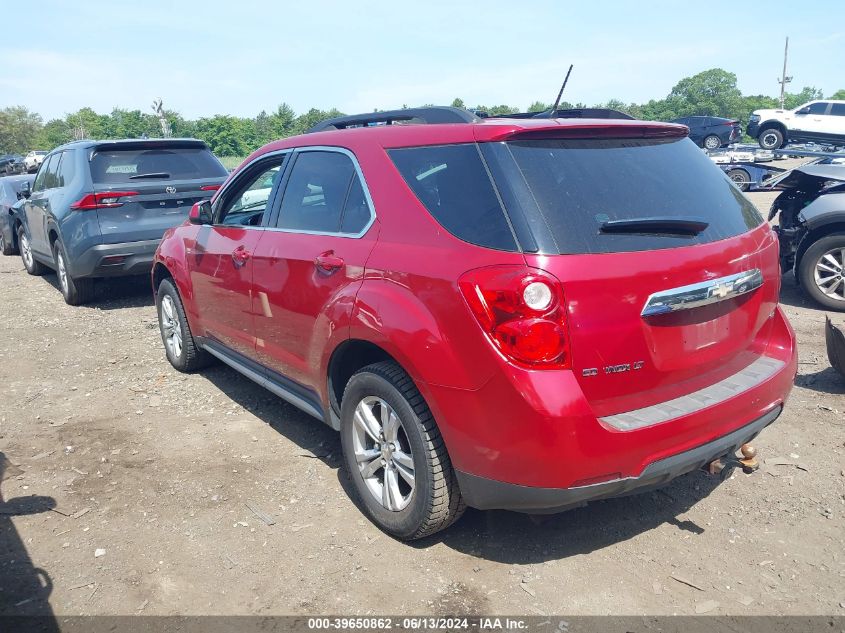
<point>655,226</point>
<point>154,174</point>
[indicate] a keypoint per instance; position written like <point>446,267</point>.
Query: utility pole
<point>783,78</point>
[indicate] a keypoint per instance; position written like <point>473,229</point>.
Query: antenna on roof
<point>560,94</point>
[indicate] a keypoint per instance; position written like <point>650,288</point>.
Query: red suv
<point>523,314</point>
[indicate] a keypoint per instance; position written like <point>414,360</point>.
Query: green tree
<point>839,94</point>
<point>54,133</point>
<point>538,106</point>
<point>282,122</point>
<point>85,123</point>
<point>458,103</point>
<point>305,122</point>
<point>19,129</point>
<point>712,92</point>
<point>132,124</point>
<point>792,100</point>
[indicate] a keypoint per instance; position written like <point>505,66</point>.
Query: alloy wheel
<point>829,273</point>
<point>383,453</point>
<point>26,251</point>
<point>171,328</point>
<point>712,142</point>
<point>62,271</point>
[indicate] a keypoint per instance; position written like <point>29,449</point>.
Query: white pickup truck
<point>817,121</point>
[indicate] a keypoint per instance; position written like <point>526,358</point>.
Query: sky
<point>219,57</point>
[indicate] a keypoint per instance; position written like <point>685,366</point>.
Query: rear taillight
<point>102,200</point>
<point>522,312</point>
<point>209,187</point>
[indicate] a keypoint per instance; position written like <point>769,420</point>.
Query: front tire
<point>770,138</point>
<point>5,247</point>
<point>33,267</point>
<point>179,345</point>
<point>75,291</point>
<point>395,455</point>
<point>822,271</point>
<point>712,142</point>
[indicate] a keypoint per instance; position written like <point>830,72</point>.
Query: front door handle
<point>328,262</point>
<point>240,256</point>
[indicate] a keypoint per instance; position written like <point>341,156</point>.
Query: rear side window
<point>324,195</point>
<point>837,109</point>
<point>176,163</point>
<point>453,184</point>
<point>579,185</point>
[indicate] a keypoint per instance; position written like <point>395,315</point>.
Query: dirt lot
<point>149,474</point>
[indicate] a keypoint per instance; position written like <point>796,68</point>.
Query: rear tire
<point>75,291</point>
<point>395,456</point>
<point>770,138</point>
<point>33,267</point>
<point>712,142</point>
<point>740,177</point>
<point>822,268</point>
<point>179,345</point>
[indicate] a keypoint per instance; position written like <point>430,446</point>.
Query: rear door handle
<point>240,256</point>
<point>328,262</point>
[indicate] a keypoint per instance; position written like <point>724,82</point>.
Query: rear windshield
<point>130,165</point>
<point>580,185</point>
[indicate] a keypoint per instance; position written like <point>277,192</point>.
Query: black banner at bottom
<point>457,624</point>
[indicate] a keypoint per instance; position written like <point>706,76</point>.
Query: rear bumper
<point>116,260</point>
<point>487,494</point>
<point>536,430</point>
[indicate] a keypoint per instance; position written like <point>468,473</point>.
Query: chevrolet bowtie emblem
<point>721,291</point>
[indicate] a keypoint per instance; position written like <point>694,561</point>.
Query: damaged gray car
<point>810,211</point>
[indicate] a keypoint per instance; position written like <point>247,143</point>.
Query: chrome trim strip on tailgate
<point>756,373</point>
<point>704,293</point>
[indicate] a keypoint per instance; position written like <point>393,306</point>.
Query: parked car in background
<point>99,208</point>
<point>810,211</point>
<point>32,161</point>
<point>11,164</point>
<point>711,132</point>
<point>477,337</point>
<point>817,121</point>
<point>10,197</point>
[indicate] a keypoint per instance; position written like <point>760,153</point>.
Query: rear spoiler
<point>593,129</point>
<point>163,143</point>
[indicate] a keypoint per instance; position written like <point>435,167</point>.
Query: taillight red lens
<point>522,312</point>
<point>209,187</point>
<point>102,200</point>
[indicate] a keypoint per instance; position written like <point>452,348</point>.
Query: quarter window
<point>324,194</point>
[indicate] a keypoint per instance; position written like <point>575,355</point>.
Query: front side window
<point>51,176</point>
<point>248,202</point>
<point>324,195</point>
<point>818,108</point>
<point>39,185</point>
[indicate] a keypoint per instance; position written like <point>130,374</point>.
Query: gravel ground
<point>130,488</point>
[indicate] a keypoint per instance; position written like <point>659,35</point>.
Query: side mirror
<point>200,212</point>
<point>25,191</point>
<point>803,111</point>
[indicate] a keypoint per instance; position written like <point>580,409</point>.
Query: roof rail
<point>431,114</point>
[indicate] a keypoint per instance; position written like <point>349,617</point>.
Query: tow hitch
<point>724,466</point>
